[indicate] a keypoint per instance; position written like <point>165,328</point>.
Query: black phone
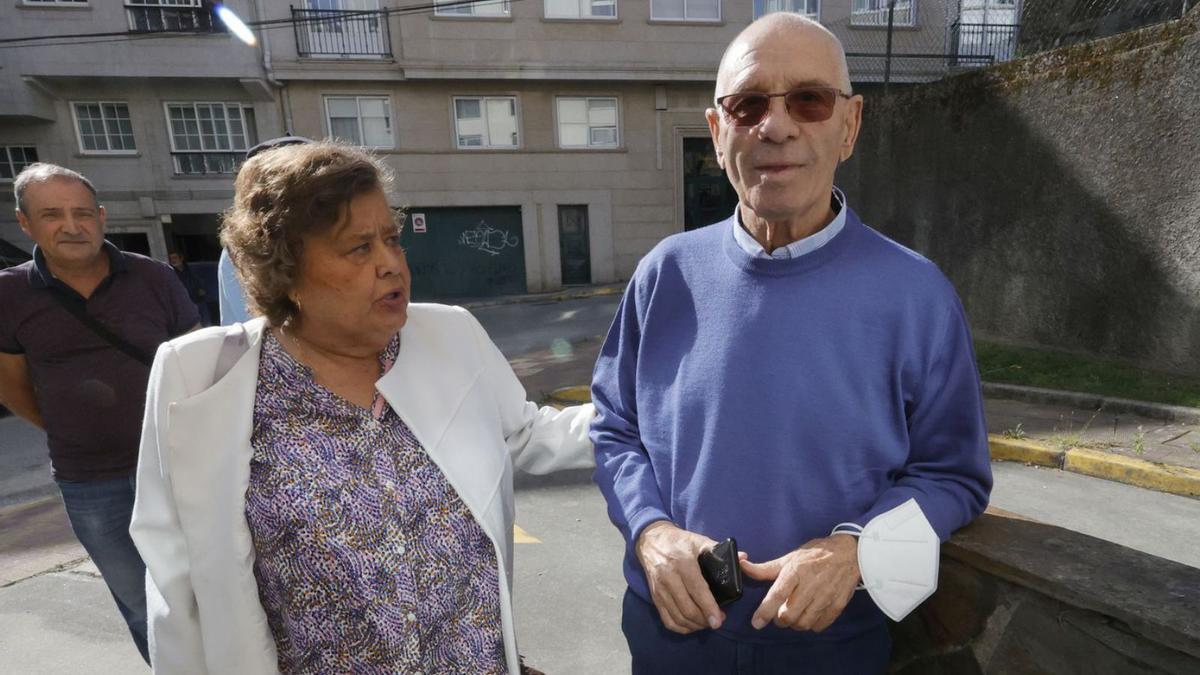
<point>721,570</point>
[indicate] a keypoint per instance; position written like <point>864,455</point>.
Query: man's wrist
<point>654,526</point>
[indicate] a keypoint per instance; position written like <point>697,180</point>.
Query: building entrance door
<point>573,248</point>
<point>707,195</point>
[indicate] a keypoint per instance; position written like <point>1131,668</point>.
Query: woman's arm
<point>172,619</point>
<point>540,440</point>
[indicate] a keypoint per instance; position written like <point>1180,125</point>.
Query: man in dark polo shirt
<point>79,325</point>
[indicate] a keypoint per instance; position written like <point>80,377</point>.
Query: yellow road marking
<point>522,537</point>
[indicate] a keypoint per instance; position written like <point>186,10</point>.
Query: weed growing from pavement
<point>1139,441</point>
<point>1071,438</point>
<point>1015,433</point>
<point>1194,446</point>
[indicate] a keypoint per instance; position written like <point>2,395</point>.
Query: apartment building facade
<point>536,143</point>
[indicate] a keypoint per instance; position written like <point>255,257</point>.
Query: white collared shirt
<point>799,247</point>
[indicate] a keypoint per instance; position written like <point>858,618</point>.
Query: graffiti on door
<point>487,239</point>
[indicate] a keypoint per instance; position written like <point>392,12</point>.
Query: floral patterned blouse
<point>367,560</point>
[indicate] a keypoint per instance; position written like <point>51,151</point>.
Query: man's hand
<point>668,556</point>
<point>812,584</point>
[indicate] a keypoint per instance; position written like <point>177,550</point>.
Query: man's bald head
<point>784,31</point>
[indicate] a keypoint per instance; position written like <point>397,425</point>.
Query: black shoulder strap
<point>78,310</point>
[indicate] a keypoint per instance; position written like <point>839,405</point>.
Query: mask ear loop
<point>854,530</point>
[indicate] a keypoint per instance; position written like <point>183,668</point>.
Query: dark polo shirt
<point>91,395</point>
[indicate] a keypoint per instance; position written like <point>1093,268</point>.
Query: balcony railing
<point>327,33</point>
<point>981,44</point>
<point>153,18</point>
<point>206,163</point>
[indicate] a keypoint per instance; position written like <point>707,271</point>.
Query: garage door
<point>465,251</point>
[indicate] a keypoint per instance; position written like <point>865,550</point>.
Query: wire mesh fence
<point>895,41</point>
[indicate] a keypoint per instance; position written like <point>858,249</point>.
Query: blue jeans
<point>658,651</point>
<point>100,512</point>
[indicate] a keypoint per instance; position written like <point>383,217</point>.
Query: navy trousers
<point>658,651</point>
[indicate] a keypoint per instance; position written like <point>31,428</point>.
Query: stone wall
<point>1060,193</point>
<point>1019,596</point>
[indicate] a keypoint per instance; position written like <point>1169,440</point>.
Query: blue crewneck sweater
<point>769,400</point>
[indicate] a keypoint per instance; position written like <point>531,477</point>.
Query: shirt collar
<point>40,275</point>
<point>797,248</point>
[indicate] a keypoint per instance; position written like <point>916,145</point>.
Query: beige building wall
<point>633,192</point>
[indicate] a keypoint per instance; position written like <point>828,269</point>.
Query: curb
<point>1176,480</point>
<point>1119,406</point>
<point>555,296</point>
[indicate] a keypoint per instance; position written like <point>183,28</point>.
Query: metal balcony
<point>327,33</point>
<point>981,44</point>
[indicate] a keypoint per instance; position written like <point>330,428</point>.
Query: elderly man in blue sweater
<point>773,375</point>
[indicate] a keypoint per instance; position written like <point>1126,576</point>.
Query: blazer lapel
<point>209,438</point>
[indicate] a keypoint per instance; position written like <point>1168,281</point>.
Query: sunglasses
<point>804,104</point>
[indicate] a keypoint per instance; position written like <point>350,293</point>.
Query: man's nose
<point>777,125</point>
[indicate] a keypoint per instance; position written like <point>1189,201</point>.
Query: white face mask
<point>897,557</point>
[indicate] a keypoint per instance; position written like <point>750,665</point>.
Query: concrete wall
<point>1061,193</point>
<point>1019,596</point>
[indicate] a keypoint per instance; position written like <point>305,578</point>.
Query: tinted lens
<point>746,109</point>
<point>811,105</point>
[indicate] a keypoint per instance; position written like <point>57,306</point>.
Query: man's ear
<point>714,129</point>
<point>23,221</point>
<point>852,125</point>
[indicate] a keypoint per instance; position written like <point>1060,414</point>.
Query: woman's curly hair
<point>282,196</point>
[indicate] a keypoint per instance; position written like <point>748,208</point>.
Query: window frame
<point>483,98</point>
<point>815,16</point>
<point>79,131</point>
<point>440,13</point>
<point>857,21</point>
<point>587,100</point>
<point>56,3</point>
<point>685,19</point>
<point>247,136</point>
<point>6,158</point>
<point>591,17</point>
<point>391,121</point>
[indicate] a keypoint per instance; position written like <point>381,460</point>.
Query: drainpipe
<point>284,105</point>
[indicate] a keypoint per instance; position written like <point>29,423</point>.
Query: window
<point>875,13</point>
<point>486,122</point>
<point>172,15</point>
<point>809,8</point>
<point>587,122</point>
<point>104,127</point>
<point>685,10</point>
<point>208,138</point>
<point>67,3</point>
<point>362,120</point>
<point>13,158</point>
<point>581,9</point>
<point>482,8</point>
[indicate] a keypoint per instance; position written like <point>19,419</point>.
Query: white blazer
<point>450,384</point>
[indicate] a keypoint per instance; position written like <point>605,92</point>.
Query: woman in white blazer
<point>328,488</point>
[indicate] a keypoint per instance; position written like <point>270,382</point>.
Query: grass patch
<point>1069,372</point>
